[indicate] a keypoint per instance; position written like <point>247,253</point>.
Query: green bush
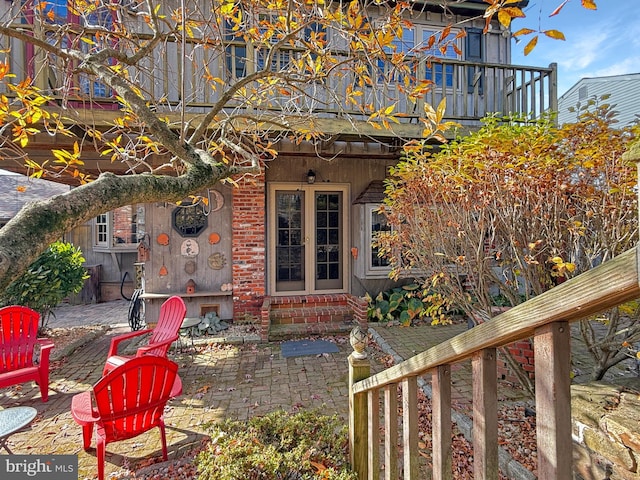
<point>279,446</point>
<point>406,305</point>
<point>56,273</point>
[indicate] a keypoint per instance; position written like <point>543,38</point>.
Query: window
<point>405,45</point>
<point>376,223</point>
<point>57,12</point>
<point>119,229</point>
<point>448,48</point>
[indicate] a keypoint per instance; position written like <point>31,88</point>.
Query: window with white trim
<point>376,223</point>
<point>118,230</point>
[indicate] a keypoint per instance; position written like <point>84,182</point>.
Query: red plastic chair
<point>18,340</point>
<point>127,402</point>
<point>172,313</point>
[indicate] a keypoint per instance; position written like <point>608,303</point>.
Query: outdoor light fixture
<point>311,176</point>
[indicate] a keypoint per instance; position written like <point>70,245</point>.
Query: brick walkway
<point>220,381</point>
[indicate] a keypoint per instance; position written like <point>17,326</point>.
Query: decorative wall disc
<point>214,238</point>
<point>163,239</point>
<point>218,199</point>
<point>189,248</point>
<point>216,261</point>
<point>190,267</point>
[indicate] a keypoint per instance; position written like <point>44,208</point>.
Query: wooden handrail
<point>546,318</point>
<point>610,284</point>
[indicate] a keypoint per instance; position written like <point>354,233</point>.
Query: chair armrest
<point>144,350</point>
<point>46,345</point>
<point>82,409</point>
<point>115,341</point>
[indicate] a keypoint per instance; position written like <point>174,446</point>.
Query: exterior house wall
<point>623,91</point>
<point>357,170</point>
<point>204,257</point>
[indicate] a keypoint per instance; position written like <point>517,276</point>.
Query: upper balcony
<point>186,77</point>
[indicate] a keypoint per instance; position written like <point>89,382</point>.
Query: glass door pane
<point>290,248</point>
<point>328,240</point>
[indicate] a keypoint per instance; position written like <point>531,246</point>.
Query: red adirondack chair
<point>172,313</point>
<point>18,352</point>
<point>125,403</point>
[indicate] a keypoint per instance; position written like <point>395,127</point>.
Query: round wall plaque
<point>189,248</point>
<point>190,267</point>
<point>216,261</point>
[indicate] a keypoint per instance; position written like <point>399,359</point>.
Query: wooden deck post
<point>552,351</point>
<point>359,369</point>
<point>485,414</point>
<point>410,427</point>
<point>441,415</point>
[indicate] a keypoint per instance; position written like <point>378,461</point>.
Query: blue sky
<point>598,43</point>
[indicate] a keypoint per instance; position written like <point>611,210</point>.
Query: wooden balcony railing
<point>472,89</point>
<point>546,318</point>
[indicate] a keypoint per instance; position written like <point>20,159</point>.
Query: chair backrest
<point>172,313</point>
<point>131,398</point>
<point>18,337</point>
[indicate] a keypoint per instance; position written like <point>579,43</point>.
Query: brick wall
<point>248,248</point>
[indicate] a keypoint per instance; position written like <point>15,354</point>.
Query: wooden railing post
<point>441,415</point>
<point>485,414</point>
<point>410,427</point>
<point>552,351</point>
<point>359,369</point>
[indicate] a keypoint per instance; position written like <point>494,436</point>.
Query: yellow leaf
<point>555,34</point>
<point>531,45</point>
<point>589,4</point>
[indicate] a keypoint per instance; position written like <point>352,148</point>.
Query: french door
<point>307,238</point>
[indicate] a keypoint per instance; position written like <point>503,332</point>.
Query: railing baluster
<point>410,427</point>
<point>441,422</point>
<point>359,369</point>
<point>391,432</point>
<point>552,353</point>
<point>485,415</point>
<point>373,437</point>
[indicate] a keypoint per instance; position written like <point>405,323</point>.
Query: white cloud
<point>584,51</point>
<point>625,65</point>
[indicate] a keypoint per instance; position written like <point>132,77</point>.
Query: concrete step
<point>301,330</point>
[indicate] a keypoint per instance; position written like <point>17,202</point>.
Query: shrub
<point>56,273</point>
<point>279,446</point>
<point>406,305</point>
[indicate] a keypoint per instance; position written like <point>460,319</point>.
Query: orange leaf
<point>318,466</point>
<point>514,12</point>
<point>522,31</point>
<point>557,10</point>
<point>555,34</point>
<point>531,45</point>
<point>590,4</point>
<point>21,188</point>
